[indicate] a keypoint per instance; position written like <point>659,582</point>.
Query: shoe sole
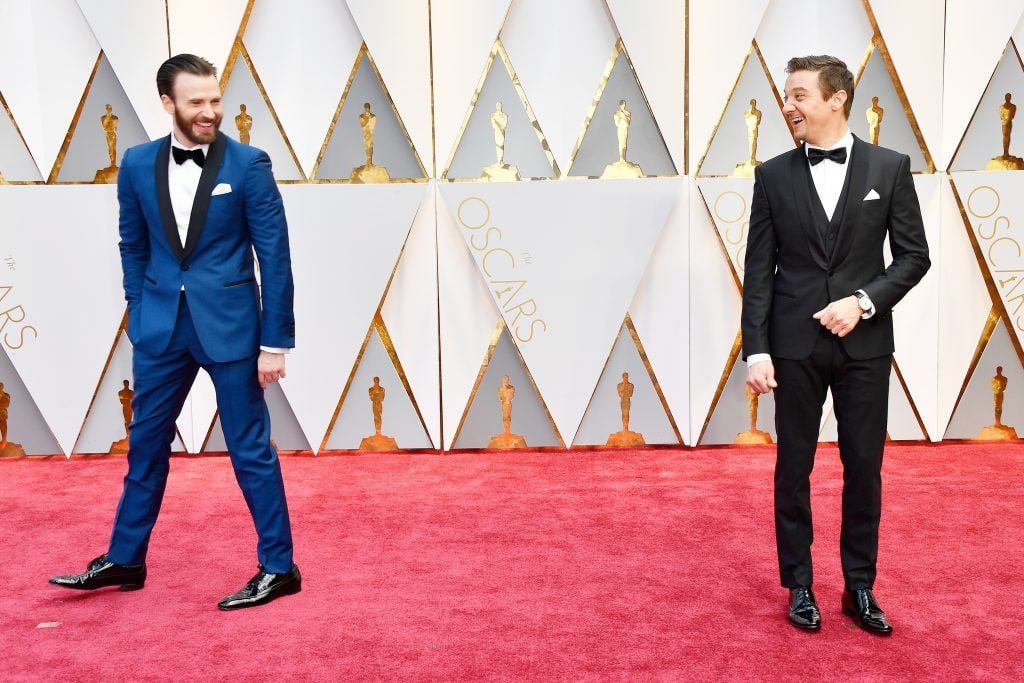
<point>806,627</point>
<point>856,619</point>
<point>288,589</point>
<point>120,586</point>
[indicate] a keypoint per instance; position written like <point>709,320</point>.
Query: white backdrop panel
<point>304,82</point>
<point>397,35</point>
<point>212,36</point>
<point>468,318</point>
<point>55,51</point>
<point>720,35</point>
<point>410,314</point>
<point>974,42</point>
<point>578,36</point>
<point>661,310</point>
<point>562,292</point>
<point>655,38</point>
<point>340,277</point>
<point>58,317</point>
<point>133,36</point>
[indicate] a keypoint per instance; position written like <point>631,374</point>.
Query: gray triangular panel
<point>977,405</point>
<point>284,428</point>
<point>895,131</point>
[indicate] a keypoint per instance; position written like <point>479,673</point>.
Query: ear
<point>838,100</point>
<point>168,104</point>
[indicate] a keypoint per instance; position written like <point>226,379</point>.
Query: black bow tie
<point>816,156</point>
<point>196,155</point>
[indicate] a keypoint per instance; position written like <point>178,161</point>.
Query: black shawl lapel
<point>163,197</point>
<point>859,167</point>
<point>201,203</point>
<point>801,177</point>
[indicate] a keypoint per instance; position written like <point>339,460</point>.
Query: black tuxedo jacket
<point>792,269</point>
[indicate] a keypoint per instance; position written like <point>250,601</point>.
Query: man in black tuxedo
<point>817,313</point>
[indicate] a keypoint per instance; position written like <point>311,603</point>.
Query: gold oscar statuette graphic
<point>506,440</point>
<point>499,170</point>
<point>622,168</point>
<point>243,122</point>
<point>3,181</point>
<point>752,119</point>
<point>368,172</point>
<point>1006,161</point>
<point>874,114</point>
<point>125,396</point>
<point>753,435</point>
<point>109,122</point>
<point>625,437</point>
<point>7,449</point>
<point>377,442</point>
<point>997,431</point>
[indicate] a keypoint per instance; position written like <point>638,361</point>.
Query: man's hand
<point>269,367</point>
<point>840,317</point>
<point>761,377</point>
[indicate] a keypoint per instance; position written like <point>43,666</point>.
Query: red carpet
<point>649,565</point>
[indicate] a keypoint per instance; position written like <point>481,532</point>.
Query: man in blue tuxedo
<point>193,208</point>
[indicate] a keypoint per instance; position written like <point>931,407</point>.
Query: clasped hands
<point>839,317</point>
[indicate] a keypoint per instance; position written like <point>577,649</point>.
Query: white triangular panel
<point>661,310</point>
<point>345,242</point>
<point>58,344</point>
<point>198,413</point>
<point>902,423</point>
<point>133,36</point>
<point>578,36</point>
<point>792,28</point>
<point>964,305</point>
<point>468,318</point>
<point>916,317</point>
<point>397,35</point>
<point>715,319</point>
<point>210,38</point>
<point>463,32</point>
<point>55,51</point>
<point>994,205</point>
<point>974,42</point>
<point>563,326</point>
<point>728,201</point>
<point>914,37</point>
<point>720,35</point>
<point>305,81</point>
<point>16,162</point>
<point>410,315</point>
<point>655,38</point>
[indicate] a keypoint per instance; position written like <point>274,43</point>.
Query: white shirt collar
<point>175,143</point>
<point>845,141</point>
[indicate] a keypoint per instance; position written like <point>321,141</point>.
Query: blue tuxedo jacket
<point>215,266</point>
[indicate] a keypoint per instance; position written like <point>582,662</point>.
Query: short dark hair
<point>833,76</point>
<point>170,69</point>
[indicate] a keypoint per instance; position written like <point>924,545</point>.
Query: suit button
<point>831,273</point>
<point>184,266</point>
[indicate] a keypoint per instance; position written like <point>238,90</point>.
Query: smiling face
<point>814,118</point>
<point>196,108</point>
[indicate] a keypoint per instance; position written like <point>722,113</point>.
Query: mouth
<point>795,120</point>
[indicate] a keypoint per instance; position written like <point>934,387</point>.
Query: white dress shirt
<point>183,181</point>
<point>829,178</point>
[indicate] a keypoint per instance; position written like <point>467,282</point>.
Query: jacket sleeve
<point>264,211</point>
<point>134,244</point>
<point>906,242</point>
<point>758,272</point>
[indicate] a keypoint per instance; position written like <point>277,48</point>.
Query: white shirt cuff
<point>274,349</point>
<point>757,358</point>
<point>861,294</point>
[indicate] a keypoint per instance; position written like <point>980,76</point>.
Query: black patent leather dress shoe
<point>803,609</point>
<point>263,588</point>
<point>862,606</point>
<point>101,573</point>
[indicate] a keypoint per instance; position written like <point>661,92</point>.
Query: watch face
<point>863,303</point>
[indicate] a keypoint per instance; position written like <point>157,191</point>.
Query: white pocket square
<point>224,188</point>
<point>871,195</point>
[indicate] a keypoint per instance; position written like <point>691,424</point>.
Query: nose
<point>788,108</point>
